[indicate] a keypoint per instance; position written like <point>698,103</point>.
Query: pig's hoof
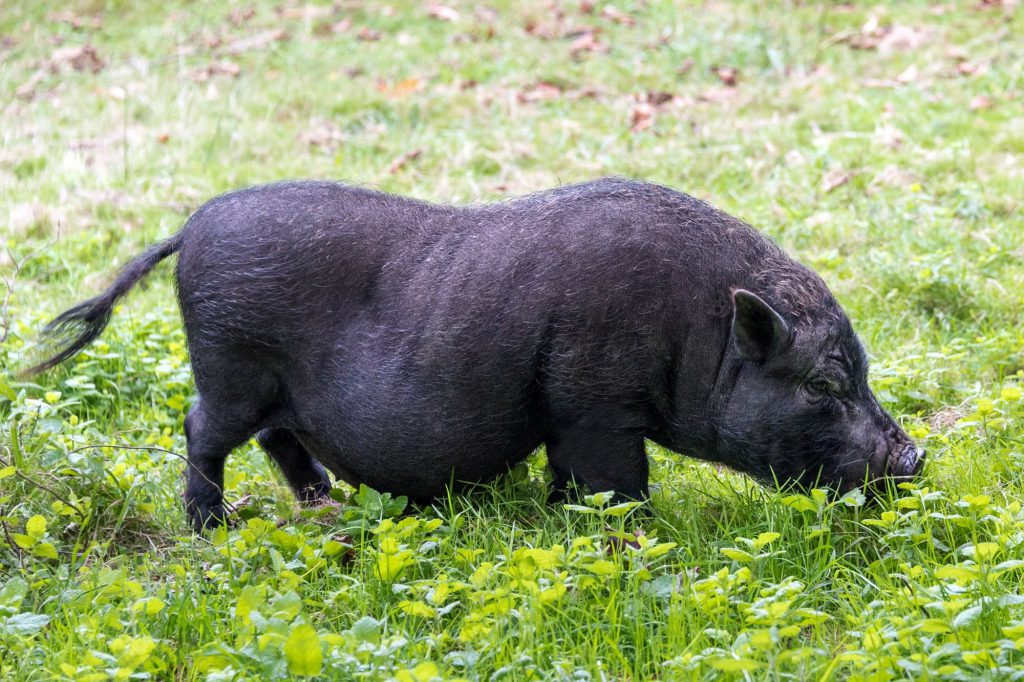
<point>316,495</point>
<point>204,517</point>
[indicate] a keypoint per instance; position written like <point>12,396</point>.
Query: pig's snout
<point>905,463</point>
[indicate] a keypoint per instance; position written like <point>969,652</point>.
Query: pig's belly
<point>415,467</point>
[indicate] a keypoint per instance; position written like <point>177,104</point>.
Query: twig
<point>14,546</point>
<point>5,307</point>
<point>39,485</point>
<point>153,448</point>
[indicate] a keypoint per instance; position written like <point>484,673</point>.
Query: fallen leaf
<point>726,74</point>
<point>257,41</point>
<point>163,138</point>
<point>341,26</point>
<point>970,69</point>
<point>321,134</point>
<point>587,6</point>
<point>74,20</point>
<point>221,68</point>
<point>27,90</point>
<point>902,39</point>
<point>981,102</point>
<point>403,160</point>
<point>80,57</point>
<point>819,219</point>
<point>442,12</point>
<point>368,34</point>
<point>658,98</point>
<point>837,177</point>
<point>402,88</point>
<point>643,117</point>
<point>908,75</point>
<point>894,176</point>
<point>539,92</point>
<point>718,95</point>
<point>241,15</point>
<point>306,12</point>
<point>611,13</point>
<point>587,42</point>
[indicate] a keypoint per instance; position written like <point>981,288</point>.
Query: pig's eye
<point>823,387</point>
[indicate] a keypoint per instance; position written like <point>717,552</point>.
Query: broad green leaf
<point>734,664</point>
<point>24,624</point>
<point>302,651</point>
<point>600,567</point>
<point>149,606</point>
<point>8,471</point>
<point>250,598</point>
<point>13,592</point>
<point>801,503</point>
<point>35,527</point>
<point>765,539</point>
<point>287,606</point>
<point>659,549</point>
<point>961,573</point>
<point>45,550</point>
<point>737,554</point>
<point>966,617</point>
<point>366,629</point>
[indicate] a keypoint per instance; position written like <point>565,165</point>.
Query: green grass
<point>923,244</point>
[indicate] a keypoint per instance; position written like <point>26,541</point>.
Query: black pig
<point>408,345</point>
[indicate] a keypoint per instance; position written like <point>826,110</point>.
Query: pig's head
<point>796,406</point>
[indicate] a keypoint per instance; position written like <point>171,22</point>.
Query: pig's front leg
<point>599,457</point>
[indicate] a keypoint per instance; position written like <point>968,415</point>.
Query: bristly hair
<point>74,329</point>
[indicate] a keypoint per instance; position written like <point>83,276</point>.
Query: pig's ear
<point>757,330</point>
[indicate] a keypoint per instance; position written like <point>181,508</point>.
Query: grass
<point>879,143</point>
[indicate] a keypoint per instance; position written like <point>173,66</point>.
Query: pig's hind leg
<point>304,474</point>
<point>236,398</point>
<point>599,459</point>
<point>211,433</point>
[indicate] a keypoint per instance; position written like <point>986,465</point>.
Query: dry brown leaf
<point>718,95</point>
<point>539,92</point>
<point>306,12</point>
<point>611,13</point>
<point>837,177</point>
<point>643,117</point>
<point>27,90</point>
<point>894,176</point>
<point>76,21</point>
<point>587,42</point>
<point>543,31</point>
<point>981,102</point>
<point>902,39</point>
<point>321,134</point>
<point>908,75</point>
<point>221,68</point>
<point>971,69</point>
<point>442,12</point>
<point>341,26</point>
<point>659,98</point>
<point>819,219</point>
<point>726,74</point>
<point>587,6</point>
<point>404,160</point>
<point>368,34</point>
<point>79,57</point>
<point>402,88</point>
<point>257,41</point>
<point>241,15</point>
